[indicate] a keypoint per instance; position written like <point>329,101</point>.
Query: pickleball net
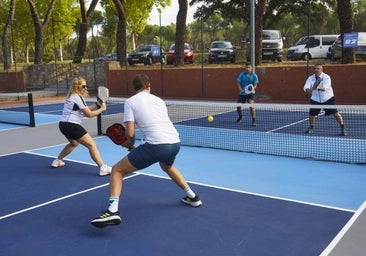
<point>280,129</point>
<point>19,114</point>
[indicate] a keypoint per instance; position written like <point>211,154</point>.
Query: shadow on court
<point>154,222</point>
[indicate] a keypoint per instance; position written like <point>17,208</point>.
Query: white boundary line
<point>59,199</point>
<point>164,177</point>
<point>257,194</point>
<point>344,230</point>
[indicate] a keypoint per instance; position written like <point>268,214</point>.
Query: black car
<point>146,54</point>
<point>221,51</point>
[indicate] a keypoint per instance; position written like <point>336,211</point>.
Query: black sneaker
<point>310,130</point>
<point>344,132</point>
<point>239,119</point>
<point>195,202</point>
<point>254,123</point>
<point>106,218</point>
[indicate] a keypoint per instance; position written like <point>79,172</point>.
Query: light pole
<point>161,54</point>
<point>14,56</point>
<point>252,33</point>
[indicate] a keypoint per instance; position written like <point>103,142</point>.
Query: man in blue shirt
<point>247,82</point>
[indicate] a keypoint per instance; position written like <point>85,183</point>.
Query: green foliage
<point>214,20</point>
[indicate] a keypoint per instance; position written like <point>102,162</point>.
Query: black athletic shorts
<point>72,131</point>
<point>329,111</point>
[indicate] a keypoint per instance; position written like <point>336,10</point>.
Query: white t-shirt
<point>320,96</point>
<point>150,114</point>
<point>72,109</point>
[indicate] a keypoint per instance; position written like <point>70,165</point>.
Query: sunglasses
<point>84,86</point>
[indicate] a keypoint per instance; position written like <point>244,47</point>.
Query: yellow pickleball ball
<point>210,119</point>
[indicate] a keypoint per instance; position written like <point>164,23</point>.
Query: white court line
<point>344,230</point>
<point>294,123</point>
<point>59,199</point>
<point>164,177</point>
<point>257,194</point>
<point>288,125</point>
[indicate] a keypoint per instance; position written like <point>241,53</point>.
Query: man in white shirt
<point>319,86</point>
<point>161,144</point>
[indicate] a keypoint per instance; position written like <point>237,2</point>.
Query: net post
<point>99,124</point>
<point>32,122</point>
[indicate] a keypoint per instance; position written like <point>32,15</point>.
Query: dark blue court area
<point>257,201</point>
<point>47,211</point>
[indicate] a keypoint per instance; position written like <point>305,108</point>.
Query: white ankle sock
<point>113,204</point>
<point>189,192</point>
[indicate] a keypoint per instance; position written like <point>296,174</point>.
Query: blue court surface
<point>253,204</point>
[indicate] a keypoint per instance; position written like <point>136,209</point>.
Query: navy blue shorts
<point>244,98</point>
<point>329,111</point>
<point>147,154</point>
<point>72,131</point>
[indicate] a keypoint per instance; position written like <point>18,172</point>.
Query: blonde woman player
<point>70,125</point>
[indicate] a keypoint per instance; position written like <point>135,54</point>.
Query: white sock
<point>113,204</point>
<point>189,192</point>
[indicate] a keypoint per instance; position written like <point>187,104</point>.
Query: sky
<point>169,14</point>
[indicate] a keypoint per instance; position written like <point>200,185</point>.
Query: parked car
<point>221,51</point>
<point>272,45</point>
<point>146,54</point>
<point>335,51</point>
<point>311,47</point>
<point>188,54</point>
<point>106,58</point>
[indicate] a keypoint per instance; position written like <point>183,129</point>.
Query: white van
<point>311,47</point>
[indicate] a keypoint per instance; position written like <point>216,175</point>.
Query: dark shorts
<point>147,154</point>
<point>245,98</point>
<point>72,131</point>
<point>316,111</point>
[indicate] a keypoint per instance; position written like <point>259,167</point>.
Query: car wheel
<point>162,60</point>
<point>306,56</point>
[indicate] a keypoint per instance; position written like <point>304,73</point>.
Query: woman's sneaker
<point>57,163</point>
<point>195,202</point>
<point>105,170</point>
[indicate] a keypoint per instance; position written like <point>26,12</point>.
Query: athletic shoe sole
<point>109,221</point>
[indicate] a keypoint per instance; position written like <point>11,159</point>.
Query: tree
<point>344,10</point>
<point>83,29</point>
<point>39,26</point>
<point>5,35</point>
<point>121,32</point>
<point>180,32</point>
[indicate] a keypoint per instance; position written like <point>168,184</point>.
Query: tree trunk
<point>39,27</point>
<point>83,29</point>
<point>180,32</point>
<point>344,10</point>
<point>5,36</point>
<point>121,38</point>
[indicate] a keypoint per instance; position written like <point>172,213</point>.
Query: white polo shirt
<point>150,114</point>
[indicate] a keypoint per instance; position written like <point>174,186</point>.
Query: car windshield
<point>271,35</point>
<point>186,47</point>
<point>226,45</point>
<point>303,40</point>
<point>144,48</point>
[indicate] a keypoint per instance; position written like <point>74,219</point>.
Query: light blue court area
<point>331,184</point>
